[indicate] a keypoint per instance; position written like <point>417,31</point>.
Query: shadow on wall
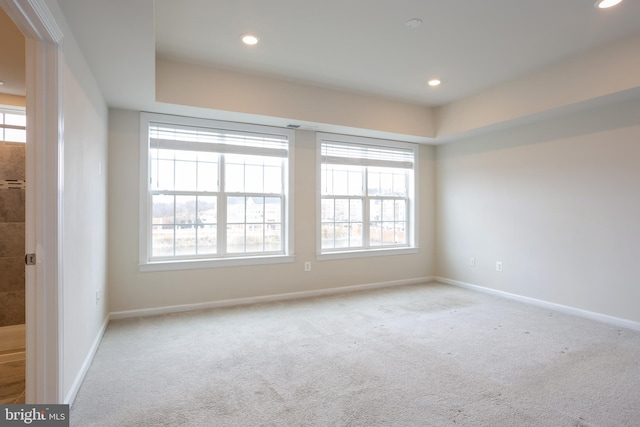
<point>610,113</point>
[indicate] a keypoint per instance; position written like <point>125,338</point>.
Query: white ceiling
<point>355,45</point>
<point>365,46</point>
<point>362,46</point>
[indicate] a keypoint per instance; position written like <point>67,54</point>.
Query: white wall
<point>557,201</point>
<point>84,211</point>
<point>131,290</point>
<point>603,72</point>
<point>233,91</point>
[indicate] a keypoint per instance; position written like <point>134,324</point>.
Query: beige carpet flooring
<point>423,355</point>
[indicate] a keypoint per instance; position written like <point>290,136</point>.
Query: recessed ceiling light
<point>604,4</point>
<point>413,23</point>
<point>250,39</point>
<point>434,82</point>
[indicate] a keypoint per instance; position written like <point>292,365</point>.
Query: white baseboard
<point>261,299</point>
<point>615,321</point>
<point>75,387</point>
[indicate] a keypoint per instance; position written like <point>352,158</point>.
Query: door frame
<point>43,219</point>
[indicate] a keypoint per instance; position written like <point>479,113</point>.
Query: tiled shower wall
<point>12,234</point>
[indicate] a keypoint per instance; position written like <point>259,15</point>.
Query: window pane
<point>184,155</point>
<point>386,184</point>
<point>273,237</point>
<point>162,240</point>
<point>163,230</point>
<point>327,210</point>
<point>185,211</point>
<point>373,181</point>
<point>388,233</point>
<point>235,210</point>
<point>355,183</point>
<point>400,235</point>
<point>355,210</point>
<point>15,135</point>
<point>255,209</point>
<point>234,177</point>
<point>235,238</point>
<point>254,179</point>
<point>15,119</point>
<point>207,239</point>
<point>328,235</point>
<point>255,238</point>
<point>272,210</point>
<point>163,154</point>
<point>207,210</point>
<point>162,178</point>
<point>340,182</point>
<point>186,239</point>
<point>163,210</point>
<point>401,210</point>
<point>185,178</point>
<point>399,185</point>
<point>326,180</point>
<point>207,176</point>
<point>355,235</point>
<point>342,209</point>
<point>375,210</point>
<point>375,234</point>
<point>388,210</point>
<point>342,235</point>
<point>273,179</point>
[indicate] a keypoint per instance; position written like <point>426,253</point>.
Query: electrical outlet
<point>498,265</point>
<point>473,262</point>
<point>307,266</point>
<point>98,296</point>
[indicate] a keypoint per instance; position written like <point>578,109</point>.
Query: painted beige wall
<point>132,290</point>
<point>84,210</point>
<point>217,89</point>
<point>556,201</point>
<point>14,100</point>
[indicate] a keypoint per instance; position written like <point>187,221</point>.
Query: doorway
<point>42,36</point>
<point>12,212</point>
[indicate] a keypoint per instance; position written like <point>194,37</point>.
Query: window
<point>366,195</point>
<point>215,193</point>
<point>13,125</point>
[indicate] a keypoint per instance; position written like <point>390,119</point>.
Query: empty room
<point>356,213</point>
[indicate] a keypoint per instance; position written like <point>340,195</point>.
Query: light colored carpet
<point>424,355</point>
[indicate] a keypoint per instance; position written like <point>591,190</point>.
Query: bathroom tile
<point>12,308</point>
<point>12,205</point>
<point>12,274</point>
<point>11,381</point>
<point>12,161</point>
<point>12,239</point>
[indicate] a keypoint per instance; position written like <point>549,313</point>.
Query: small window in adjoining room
<point>213,193</point>
<point>367,196</point>
<point>13,124</point>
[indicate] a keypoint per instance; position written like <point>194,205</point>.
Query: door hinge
<point>30,259</point>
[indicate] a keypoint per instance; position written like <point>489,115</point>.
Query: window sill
<point>367,253</point>
<point>213,263</point>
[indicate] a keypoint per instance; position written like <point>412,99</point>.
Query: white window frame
<point>411,246</point>
<point>227,260</point>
